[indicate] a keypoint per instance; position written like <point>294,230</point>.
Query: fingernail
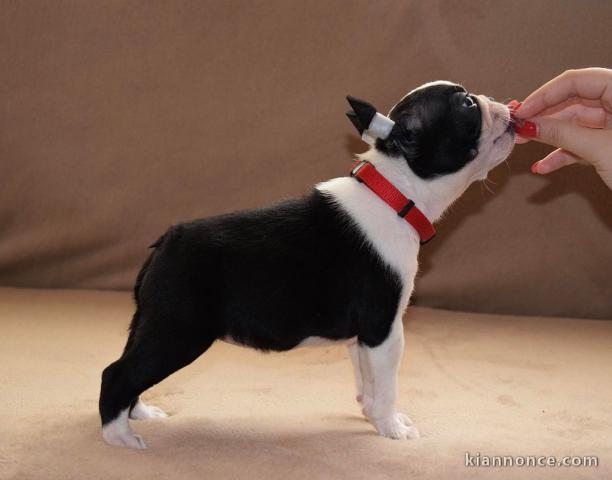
<point>534,167</point>
<point>526,129</point>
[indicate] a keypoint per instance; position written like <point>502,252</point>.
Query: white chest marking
<point>395,241</point>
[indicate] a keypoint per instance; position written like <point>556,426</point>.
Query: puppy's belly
<point>307,342</point>
<point>322,341</point>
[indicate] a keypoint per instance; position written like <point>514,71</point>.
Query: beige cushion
<point>497,385</point>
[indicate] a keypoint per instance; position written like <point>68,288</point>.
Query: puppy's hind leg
<point>155,353</point>
<point>142,411</point>
<point>138,409</point>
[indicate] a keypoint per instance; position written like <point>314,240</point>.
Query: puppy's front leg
<point>363,377</point>
<point>353,349</point>
<point>382,367</point>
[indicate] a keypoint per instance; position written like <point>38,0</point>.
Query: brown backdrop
<point>120,118</point>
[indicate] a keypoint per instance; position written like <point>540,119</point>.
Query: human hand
<point>573,112</point>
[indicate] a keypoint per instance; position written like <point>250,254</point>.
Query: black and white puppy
<point>336,265</point>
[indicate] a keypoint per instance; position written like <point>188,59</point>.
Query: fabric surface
<point>120,118</point>
<point>494,385</point>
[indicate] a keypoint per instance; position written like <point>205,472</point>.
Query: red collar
<point>367,174</point>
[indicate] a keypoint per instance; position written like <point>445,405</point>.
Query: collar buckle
<point>355,170</point>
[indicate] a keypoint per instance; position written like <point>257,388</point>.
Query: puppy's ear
<point>369,123</point>
<point>361,115</point>
<point>352,116</point>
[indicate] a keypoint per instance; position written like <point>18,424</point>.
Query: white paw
<point>405,419</point>
<point>395,426</point>
<point>130,440</point>
<point>119,434</point>
<point>142,411</point>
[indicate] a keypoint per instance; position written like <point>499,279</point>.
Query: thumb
<point>583,142</point>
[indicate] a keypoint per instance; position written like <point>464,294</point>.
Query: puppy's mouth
<point>509,125</point>
<point>509,130</point>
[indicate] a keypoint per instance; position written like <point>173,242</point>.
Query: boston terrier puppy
<point>335,265</point>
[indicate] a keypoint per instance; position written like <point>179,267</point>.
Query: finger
<point>554,161</point>
<point>585,116</point>
<point>581,141</point>
<point>569,102</point>
<point>589,83</point>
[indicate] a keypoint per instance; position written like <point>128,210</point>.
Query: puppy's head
<point>445,129</point>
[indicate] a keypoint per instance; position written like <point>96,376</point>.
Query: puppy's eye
<point>469,102</point>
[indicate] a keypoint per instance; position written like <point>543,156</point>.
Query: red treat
<point>514,105</point>
<point>524,128</point>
